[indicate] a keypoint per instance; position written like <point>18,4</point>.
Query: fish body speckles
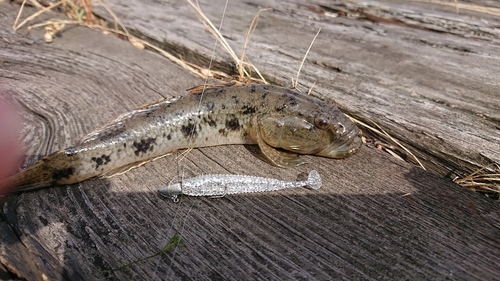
<point>144,145</point>
<point>102,160</point>
<point>284,124</point>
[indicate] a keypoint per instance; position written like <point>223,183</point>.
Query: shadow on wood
<point>282,235</point>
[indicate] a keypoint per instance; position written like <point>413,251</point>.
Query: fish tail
<point>32,178</point>
<point>314,180</point>
<point>50,170</point>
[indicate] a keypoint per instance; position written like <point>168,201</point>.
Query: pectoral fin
<point>277,157</point>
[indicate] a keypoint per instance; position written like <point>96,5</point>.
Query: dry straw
<point>486,179</point>
<point>241,62</point>
<point>83,20</point>
<point>302,62</point>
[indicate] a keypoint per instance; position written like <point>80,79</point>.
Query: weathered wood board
<point>375,218</point>
<point>427,75</point>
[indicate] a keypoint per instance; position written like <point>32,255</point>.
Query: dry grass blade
<point>196,71</point>
<point>34,15</point>
<point>115,18</point>
<point>250,31</point>
<point>183,154</point>
<point>311,88</point>
<point>183,64</point>
<point>212,29</point>
<point>210,26</point>
<point>304,59</point>
<point>166,54</point>
<point>485,179</point>
<point>382,132</point>
<point>36,4</point>
<point>87,6</point>
<point>18,15</point>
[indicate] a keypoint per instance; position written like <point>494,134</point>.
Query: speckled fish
<point>282,122</point>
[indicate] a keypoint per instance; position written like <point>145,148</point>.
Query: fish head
<point>310,126</point>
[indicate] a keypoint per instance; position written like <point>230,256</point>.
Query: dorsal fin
<point>168,99</point>
<point>120,120</point>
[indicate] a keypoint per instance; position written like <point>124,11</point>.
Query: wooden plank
<point>425,74</point>
<point>374,218</point>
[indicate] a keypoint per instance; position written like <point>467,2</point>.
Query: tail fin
<point>50,170</point>
<point>30,179</point>
<point>314,180</point>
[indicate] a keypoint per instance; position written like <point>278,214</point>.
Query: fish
<point>283,123</point>
<point>220,185</point>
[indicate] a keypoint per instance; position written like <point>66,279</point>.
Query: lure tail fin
<point>314,180</point>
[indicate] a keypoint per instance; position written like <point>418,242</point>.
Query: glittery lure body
<point>220,185</point>
<point>283,122</point>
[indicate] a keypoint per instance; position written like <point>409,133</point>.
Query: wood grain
<point>375,218</point>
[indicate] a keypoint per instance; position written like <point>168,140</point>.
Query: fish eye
<point>322,122</point>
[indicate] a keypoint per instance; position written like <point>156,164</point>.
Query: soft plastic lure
<point>220,185</point>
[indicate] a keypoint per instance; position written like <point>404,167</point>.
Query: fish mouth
<point>346,145</point>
